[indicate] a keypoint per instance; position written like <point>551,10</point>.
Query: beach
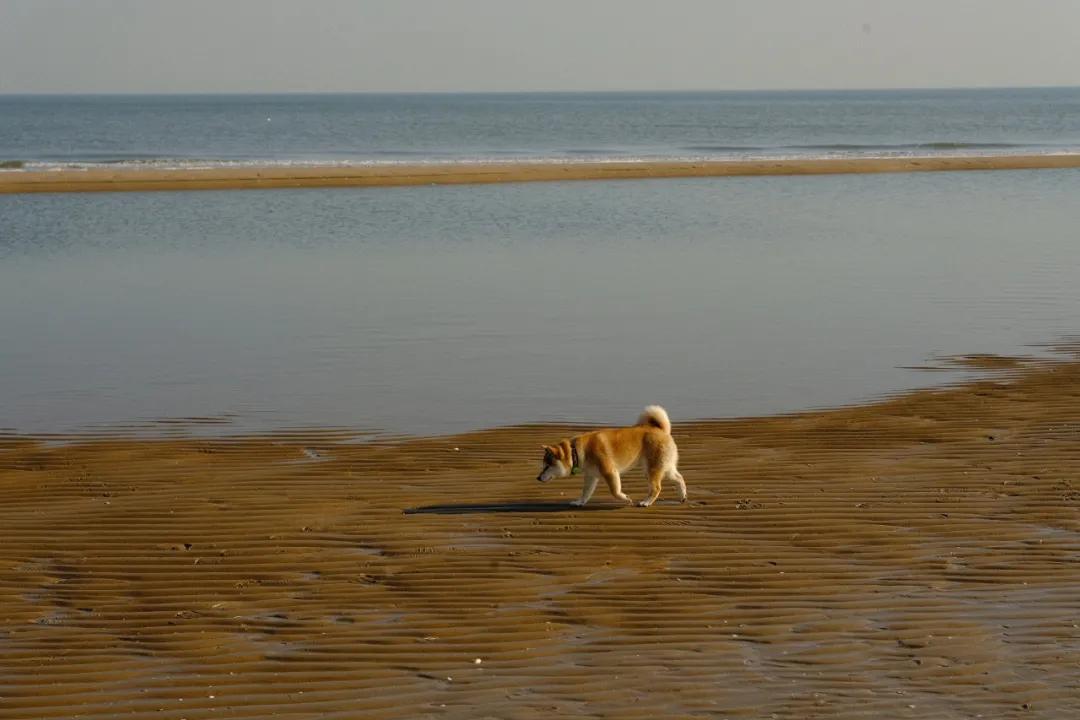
<point>913,557</point>
<point>275,454</point>
<point>457,173</point>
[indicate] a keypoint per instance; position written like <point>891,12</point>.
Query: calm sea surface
<point>437,309</point>
<point>216,129</point>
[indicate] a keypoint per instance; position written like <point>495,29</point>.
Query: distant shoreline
<point>548,91</point>
<point>270,176</point>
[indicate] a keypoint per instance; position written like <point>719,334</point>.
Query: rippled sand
<point>294,176</point>
<point>919,557</point>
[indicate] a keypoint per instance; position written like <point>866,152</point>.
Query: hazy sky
<point>460,45</point>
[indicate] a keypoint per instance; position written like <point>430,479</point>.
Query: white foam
<point>207,164</point>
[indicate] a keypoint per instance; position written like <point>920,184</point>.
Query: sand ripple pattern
<point>915,558</point>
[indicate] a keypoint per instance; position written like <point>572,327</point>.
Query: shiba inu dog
<point>604,454</point>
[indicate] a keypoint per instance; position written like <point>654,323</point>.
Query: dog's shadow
<point>509,507</point>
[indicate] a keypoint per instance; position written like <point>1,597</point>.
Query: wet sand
<point>918,557</point>
<point>253,177</point>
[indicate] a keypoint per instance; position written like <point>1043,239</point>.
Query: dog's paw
<point>577,503</point>
<point>682,499</point>
<point>644,503</point>
<point>625,499</point>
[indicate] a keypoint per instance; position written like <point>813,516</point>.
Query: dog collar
<point>575,461</point>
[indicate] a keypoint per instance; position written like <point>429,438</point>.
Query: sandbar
<point>375,175</point>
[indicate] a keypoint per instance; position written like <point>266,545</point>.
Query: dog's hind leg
<point>614,483</point>
<point>677,478</point>
<point>656,477</point>
<point>586,491</point>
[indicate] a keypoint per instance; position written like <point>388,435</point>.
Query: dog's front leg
<point>614,482</point>
<point>586,492</point>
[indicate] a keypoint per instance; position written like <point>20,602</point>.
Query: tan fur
<point>606,454</point>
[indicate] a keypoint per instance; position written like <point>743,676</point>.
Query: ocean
<point>428,310</point>
<point>207,130</point>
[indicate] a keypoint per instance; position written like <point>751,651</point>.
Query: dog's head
<point>557,462</point>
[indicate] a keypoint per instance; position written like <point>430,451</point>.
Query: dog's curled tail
<point>655,416</point>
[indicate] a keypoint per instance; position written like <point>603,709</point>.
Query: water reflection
<point>432,310</point>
